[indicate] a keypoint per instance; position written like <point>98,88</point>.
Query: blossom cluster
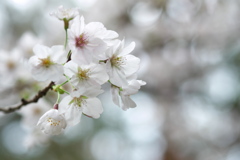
<point>91,57</point>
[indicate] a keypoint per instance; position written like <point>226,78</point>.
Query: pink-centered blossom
<point>88,41</point>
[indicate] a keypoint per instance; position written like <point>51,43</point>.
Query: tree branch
<point>24,102</point>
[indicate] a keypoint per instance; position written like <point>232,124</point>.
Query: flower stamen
<point>46,61</point>
<point>83,74</point>
<point>53,122</point>
<point>81,41</point>
<point>117,61</point>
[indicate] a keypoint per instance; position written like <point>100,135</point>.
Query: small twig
<point>24,102</point>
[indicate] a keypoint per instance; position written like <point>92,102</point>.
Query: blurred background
<point>190,59</point>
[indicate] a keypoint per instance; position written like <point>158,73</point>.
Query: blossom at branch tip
<point>81,102</point>
<point>88,41</point>
<point>121,96</point>
<point>63,13</point>
<point>85,76</point>
<point>52,122</point>
<point>47,62</point>
<point>120,64</point>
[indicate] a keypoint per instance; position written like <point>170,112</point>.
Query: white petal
<point>117,77</point>
<point>127,102</point>
<point>117,48</point>
<point>99,74</point>
<point>96,47</point>
<point>127,49</point>
<point>64,104</point>
<point>34,61</point>
<point>97,29</point>
<point>77,26</point>
<point>133,87</point>
<point>73,115</point>
<point>93,107</point>
<point>131,65</point>
<point>52,73</point>
<point>82,56</point>
<point>71,40</point>
<point>94,29</point>
<point>58,54</point>
<point>77,93</point>
<point>41,51</point>
<point>109,53</point>
<point>55,72</point>
<point>110,34</point>
<point>115,95</point>
<point>70,69</point>
<point>92,91</point>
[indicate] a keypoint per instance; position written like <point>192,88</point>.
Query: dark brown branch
<point>24,102</point>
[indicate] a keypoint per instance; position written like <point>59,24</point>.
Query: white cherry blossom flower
<point>52,122</point>
<point>47,62</point>
<point>63,13</point>
<point>121,96</point>
<point>84,76</point>
<point>81,101</point>
<point>88,41</point>
<point>120,64</point>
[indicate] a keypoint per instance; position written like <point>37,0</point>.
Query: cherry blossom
<point>52,122</point>
<point>88,41</point>
<point>81,101</point>
<point>84,76</point>
<point>47,62</point>
<point>90,57</point>
<point>121,96</point>
<point>120,64</point>
<point>63,13</point>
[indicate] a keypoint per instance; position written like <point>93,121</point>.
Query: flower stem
<point>66,39</point>
<point>64,83</point>
<point>66,92</point>
<point>58,98</point>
